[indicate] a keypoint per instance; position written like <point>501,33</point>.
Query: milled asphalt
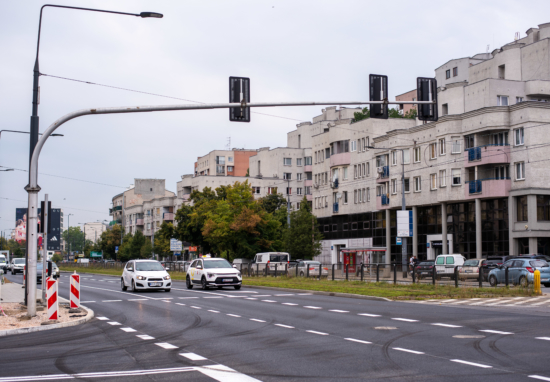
<point>273,335</point>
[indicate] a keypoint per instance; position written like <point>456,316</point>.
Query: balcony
<point>385,200</point>
<point>384,174</point>
<point>334,184</point>
<point>117,208</point>
<point>168,216</point>
<point>382,202</point>
<point>488,188</point>
<point>340,159</point>
<point>139,221</point>
<point>335,208</point>
<point>488,154</point>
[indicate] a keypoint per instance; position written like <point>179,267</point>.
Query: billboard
<point>54,238</point>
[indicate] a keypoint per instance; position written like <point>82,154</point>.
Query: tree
<point>303,239</point>
<point>272,202</point>
<point>162,239</point>
<point>109,240</point>
<point>74,239</point>
<point>124,251</point>
<point>57,258</point>
<point>411,114</point>
<point>360,115</point>
<point>392,113</point>
<point>146,249</point>
<point>247,172</point>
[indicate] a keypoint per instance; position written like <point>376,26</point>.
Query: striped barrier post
<point>75,291</point>
<point>53,304</point>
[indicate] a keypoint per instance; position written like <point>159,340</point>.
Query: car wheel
<point>203,284</point>
<point>523,282</point>
<point>237,287</point>
<point>134,287</point>
<point>188,283</point>
<point>493,281</point>
<point>122,286</point>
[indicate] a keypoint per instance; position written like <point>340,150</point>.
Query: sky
<point>292,50</point>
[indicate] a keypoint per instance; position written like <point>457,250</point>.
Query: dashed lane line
<point>193,356</point>
<point>166,345</point>
<point>269,301</point>
<point>338,311</point>
<point>408,351</point>
<point>312,307</point>
<point>233,315</point>
<point>128,330</point>
<point>368,315</point>
<point>359,341</point>
<point>250,298</point>
<point>404,319</point>
<point>213,311</point>
<point>255,319</point>
<point>102,318</point>
<point>539,377</point>
<point>471,363</point>
<point>137,299</point>
<point>447,325</point>
<point>179,303</point>
<point>284,326</point>
<point>289,304</point>
<point>145,337</point>
<point>186,298</point>
<point>114,323</point>
<point>543,338</point>
<point>316,332</point>
<point>111,301</point>
<point>495,332</point>
<point>196,307</point>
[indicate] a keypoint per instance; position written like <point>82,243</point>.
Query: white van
<point>269,260</point>
<point>445,265</point>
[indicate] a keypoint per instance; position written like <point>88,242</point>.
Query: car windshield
<point>19,261</point>
<point>538,263</point>
<point>221,263</point>
<point>471,263</point>
<point>149,266</point>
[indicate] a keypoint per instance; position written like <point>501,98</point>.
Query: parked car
<point>313,267</point>
<point>445,265</point>
<point>470,269</point>
<point>521,272</point>
<point>145,274</point>
<point>17,265</point>
<point>269,261</point>
<point>215,272</point>
<point>501,259</point>
<point>425,269</point>
<point>535,256</point>
<point>488,266</point>
<point>4,263</point>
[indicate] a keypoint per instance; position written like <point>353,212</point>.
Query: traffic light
<point>42,210</point>
<point>378,91</point>
<point>426,90</point>
<point>239,92</point>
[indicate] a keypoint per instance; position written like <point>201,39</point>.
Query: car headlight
<point>210,275</point>
<point>140,277</point>
<point>239,274</point>
<point>167,277</point>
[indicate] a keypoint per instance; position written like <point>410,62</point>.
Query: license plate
<point>468,271</point>
<point>155,284</point>
<point>227,280</point>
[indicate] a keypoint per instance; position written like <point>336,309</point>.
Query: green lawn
<point>394,292</point>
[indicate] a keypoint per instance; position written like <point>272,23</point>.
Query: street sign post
<point>404,224</point>
<point>239,92</point>
<point>116,249</point>
<point>398,241</point>
<point>175,245</point>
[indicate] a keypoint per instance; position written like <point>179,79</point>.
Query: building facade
<point>93,230</point>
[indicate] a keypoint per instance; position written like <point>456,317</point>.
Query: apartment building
<point>93,230</point>
<point>224,163</point>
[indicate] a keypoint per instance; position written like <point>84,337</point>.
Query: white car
<point>145,274</point>
<point>17,265</point>
<point>215,272</point>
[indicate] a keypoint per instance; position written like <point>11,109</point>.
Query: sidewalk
<point>15,293</point>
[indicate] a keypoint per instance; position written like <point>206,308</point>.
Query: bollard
<point>394,274</point>
<point>333,271</point>
<point>275,270</point>
<point>456,277</point>
<point>506,276</point>
<point>536,280</point>
<point>362,272</point>
<point>480,278</point>
<point>53,303</point>
<point>347,271</point>
<point>377,273</point>
<point>433,275</point>
<point>75,291</point>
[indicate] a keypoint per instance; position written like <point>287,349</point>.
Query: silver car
<point>17,265</point>
<point>313,267</point>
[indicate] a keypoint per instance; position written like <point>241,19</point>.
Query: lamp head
<point>151,14</point>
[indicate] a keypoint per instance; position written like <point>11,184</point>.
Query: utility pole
<point>45,247</point>
<point>403,208</point>
<point>288,203</point>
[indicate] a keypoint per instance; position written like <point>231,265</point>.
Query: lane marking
<point>128,330</point>
<point>360,341</point>
<point>289,303</point>
<point>263,295</point>
<point>483,302</point>
<point>179,303</point>
<point>404,319</point>
<point>499,302</point>
<point>102,318</point>
<point>117,291</point>
<point>268,301</point>
<point>315,332</point>
<point>495,332</point>
<point>195,307</point>
<point>408,350</point>
<point>368,315</point>
<point>166,345</point>
<point>539,377</point>
<point>213,311</point>
<point>339,311</point>
<point>87,302</point>
<point>145,337</point>
<point>111,301</point>
<point>285,326</point>
<point>233,315</point>
<point>312,307</point>
<point>305,294</point>
<point>166,298</point>
<point>447,325</point>
<point>185,298</point>
<point>213,297</point>
<point>165,301</point>
<point>250,298</point>
<point>543,338</point>
<point>255,319</point>
<point>285,294</point>
<point>471,363</point>
<point>137,299</point>
<point>193,356</point>
<point>114,323</point>
<point>224,374</point>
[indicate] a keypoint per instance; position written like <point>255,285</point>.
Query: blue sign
<point>398,241</point>
<point>177,253</point>
<point>427,245</point>
<point>116,249</point>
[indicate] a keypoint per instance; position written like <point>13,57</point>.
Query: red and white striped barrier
<point>53,304</point>
<point>75,291</point>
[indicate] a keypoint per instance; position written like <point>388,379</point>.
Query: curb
<point>32,329</point>
<point>321,293</point>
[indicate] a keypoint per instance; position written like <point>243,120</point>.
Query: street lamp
<point>9,169</point>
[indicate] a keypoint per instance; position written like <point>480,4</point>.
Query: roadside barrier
<point>53,303</point>
<point>536,278</point>
<point>75,291</point>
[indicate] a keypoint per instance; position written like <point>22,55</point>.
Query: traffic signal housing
<point>239,92</point>
<point>378,91</point>
<point>426,90</point>
<point>42,210</point>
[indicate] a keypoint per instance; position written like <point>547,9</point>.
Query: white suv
<point>214,272</point>
<point>17,265</point>
<point>145,274</point>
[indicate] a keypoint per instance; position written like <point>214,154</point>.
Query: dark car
<point>535,256</point>
<point>425,269</point>
<point>488,266</point>
<point>501,259</point>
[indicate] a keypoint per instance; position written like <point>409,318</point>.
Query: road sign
<point>96,254</point>
<point>239,92</point>
<point>177,253</point>
<point>404,224</point>
<point>426,90</point>
<point>116,249</point>
<point>192,249</point>
<point>398,241</point>
<point>175,245</point>
<point>378,91</point>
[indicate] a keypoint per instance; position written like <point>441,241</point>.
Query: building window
<point>298,205</point>
<point>289,190</point>
<point>368,168</point>
<point>456,145</point>
<point>519,137</point>
<point>445,109</point>
<point>543,207</point>
<point>522,208</point>
<point>433,150</point>
<point>220,169</point>
<point>345,197</point>
<point>299,176</point>
<point>355,196</point>
<point>230,159</point>
<point>417,154</point>
<point>442,178</point>
<point>287,175</point>
<point>394,186</point>
<point>327,152</point>
<point>360,196</point>
<point>433,181</point>
<point>468,142</point>
<point>442,147</point>
<point>308,161</point>
<point>406,156</point>
<point>364,195</point>
<point>455,174</point>
<point>407,184</point>
<point>455,71</point>
<point>346,173</point>
<point>271,190</point>
<point>299,191</point>
<point>363,146</point>
<point>256,190</point>
<point>353,145</point>
<point>519,99</point>
<point>287,161</point>
<point>364,169</point>
<point>230,168</point>
<point>309,176</point>
<point>394,158</point>
<point>448,74</point>
<point>355,171</point>
<point>308,190</point>
<point>502,72</point>
<point>502,100</point>
<point>298,161</point>
<point>367,141</point>
<point>417,184</point>
<point>520,170</point>
<point>368,194</point>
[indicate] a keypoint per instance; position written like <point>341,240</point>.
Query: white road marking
<point>285,326</point>
<point>213,311</point>
<point>540,303</point>
<point>102,318</point>
<point>87,302</point>
<point>128,330</point>
<point>404,319</point>
<point>495,332</point>
<point>268,301</point>
<point>195,307</point>
<point>117,291</point>
<point>314,332</point>
<point>250,298</point>
<point>255,319</point>
<point>114,323</point>
<point>185,298</point>
<point>543,338</point>
<point>312,307</point>
<point>285,294</point>
<point>539,377</point>
<point>360,341</point>
<point>179,303</point>
<point>525,301</point>
<point>459,302</point>
<point>213,297</point>
<point>471,363</point>
<point>166,298</point>
<point>111,301</point>
<point>223,373</point>
<point>263,295</point>
<point>289,303</point>
<point>408,350</point>
<point>193,356</point>
<point>447,325</point>
<point>145,337</point>
<point>484,301</point>
<point>368,315</point>
<point>166,345</point>
<point>339,311</point>
<point>137,299</point>
<point>233,315</point>
<point>499,302</point>
<point>305,294</point>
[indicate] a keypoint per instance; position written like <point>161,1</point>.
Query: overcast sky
<point>308,50</point>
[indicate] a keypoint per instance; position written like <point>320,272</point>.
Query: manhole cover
<point>385,328</point>
<point>464,336</point>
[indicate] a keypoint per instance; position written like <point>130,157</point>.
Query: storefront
<point>367,256</point>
